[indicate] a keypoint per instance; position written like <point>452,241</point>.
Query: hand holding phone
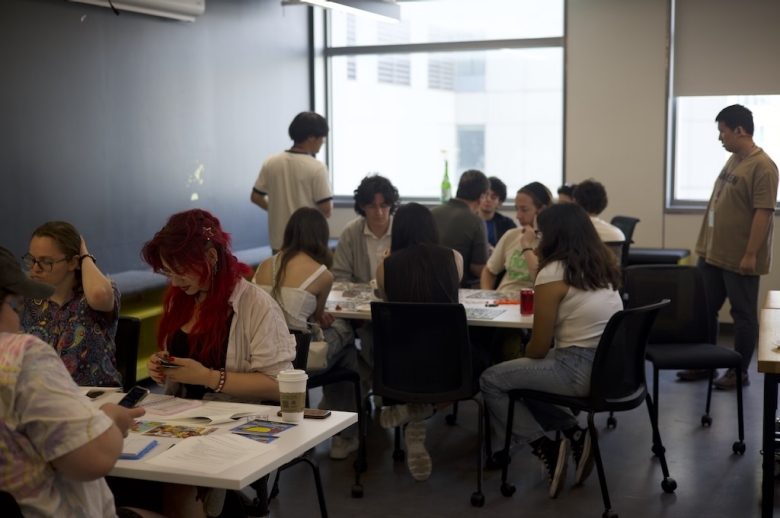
<point>165,362</point>
<point>134,397</point>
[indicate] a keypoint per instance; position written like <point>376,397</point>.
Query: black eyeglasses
<point>46,266</point>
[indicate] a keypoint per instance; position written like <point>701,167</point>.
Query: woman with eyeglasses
<point>575,296</point>
<point>80,319</point>
<point>226,336</point>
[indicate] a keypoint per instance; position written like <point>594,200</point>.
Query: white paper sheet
<point>213,412</point>
<point>210,454</point>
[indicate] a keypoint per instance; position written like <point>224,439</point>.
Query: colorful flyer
<point>145,426</point>
<point>179,432</point>
<point>264,428</point>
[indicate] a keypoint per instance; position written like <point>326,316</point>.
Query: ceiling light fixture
<point>384,11</point>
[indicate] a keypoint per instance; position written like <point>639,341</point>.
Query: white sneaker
<point>417,458</point>
<point>341,447</point>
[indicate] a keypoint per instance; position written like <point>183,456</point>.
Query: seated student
<point>461,229</point>
<point>80,319</point>
<point>418,269</point>
<point>364,240</point>
<point>57,446</point>
<point>514,253</point>
<point>592,196</point>
<point>228,335</point>
<point>495,222</point>
<point>566,193</point>
<point>575,296</point>
<point>299,280</point>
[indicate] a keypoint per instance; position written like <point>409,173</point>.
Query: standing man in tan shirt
<point>735,241</point>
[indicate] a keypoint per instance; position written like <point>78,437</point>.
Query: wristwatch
<point>81,259</point>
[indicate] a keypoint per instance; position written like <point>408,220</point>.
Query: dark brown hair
<point>568,235</point>
<point>307,232</point>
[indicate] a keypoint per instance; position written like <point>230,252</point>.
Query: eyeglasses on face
<point>167,273</point>
<point>46,266</point>
<point>16,305</point>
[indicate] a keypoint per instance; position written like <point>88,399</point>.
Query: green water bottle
<point>446,188</point>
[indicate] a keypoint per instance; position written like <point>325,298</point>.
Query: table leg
<point>260,503</point>
<point>768,462</point>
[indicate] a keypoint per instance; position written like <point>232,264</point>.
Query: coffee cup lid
<point>293,375</point>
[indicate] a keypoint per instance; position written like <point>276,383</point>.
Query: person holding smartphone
<point>227,336</point>
<point>57,446</point>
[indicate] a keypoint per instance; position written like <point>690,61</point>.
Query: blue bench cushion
<point>133,282</point>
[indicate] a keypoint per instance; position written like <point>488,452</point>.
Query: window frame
<point>327,52</point>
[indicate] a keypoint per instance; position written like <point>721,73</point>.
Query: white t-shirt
<point>607,231</point>
<point>582,315</point>
<point>507,256</point>
<point>291,181</point>
<point>377,246</point>
<point>43,416</point>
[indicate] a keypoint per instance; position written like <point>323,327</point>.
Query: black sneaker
<point>555,457</point>
<point>582,453</point>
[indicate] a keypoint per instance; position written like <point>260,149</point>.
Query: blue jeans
<point>563,371</point>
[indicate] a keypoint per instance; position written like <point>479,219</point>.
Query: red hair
<point>183,242</point>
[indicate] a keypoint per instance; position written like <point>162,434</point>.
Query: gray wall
<point>115,122</point>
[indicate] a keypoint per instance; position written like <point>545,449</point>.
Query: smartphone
<point>311,413</point>
<point>165,362</point>
<point>133,398</point>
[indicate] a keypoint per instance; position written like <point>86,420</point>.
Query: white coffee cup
<point>292,394</point>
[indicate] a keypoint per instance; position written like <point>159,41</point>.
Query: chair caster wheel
<point>477,499</point>
<point>508,489</point>
<point>357,491</point>
<point>399,455</point>
<point>611,422</point>
<point>658,450</point>
<point>738,447</point>
<point>360,465</point>
<point>668,485</point>
<point>706,420</point>
<point>609,514</point>
<point>451,419</point>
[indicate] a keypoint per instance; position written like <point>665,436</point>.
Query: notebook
<point>158,404</point>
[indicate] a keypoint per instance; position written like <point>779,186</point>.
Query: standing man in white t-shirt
<point>294,178</point>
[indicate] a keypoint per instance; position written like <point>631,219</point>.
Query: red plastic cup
<point>527,302</point>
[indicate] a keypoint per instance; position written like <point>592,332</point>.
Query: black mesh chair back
<point>128,334</point>
<point>627,225</point>
<point>620,249</point>
<point>302,343</point>
<point>421,352</point>
<point>685,319</point>
<point>618,376</point>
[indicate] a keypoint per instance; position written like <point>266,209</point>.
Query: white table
<point>290,444</point>
<point>357,306</point>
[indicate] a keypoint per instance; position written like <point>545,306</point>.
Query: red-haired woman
<point>229,336</point>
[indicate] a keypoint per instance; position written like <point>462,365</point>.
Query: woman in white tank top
<point>299,280</point>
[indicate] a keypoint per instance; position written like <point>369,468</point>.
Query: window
<point>699,156</point>
<point>492,101</point>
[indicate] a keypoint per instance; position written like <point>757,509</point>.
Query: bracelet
<point>222,377</point>
<point>208,380</point>
<point>81,259</point>
<point>524,250</point>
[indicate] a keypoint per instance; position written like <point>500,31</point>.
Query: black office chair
<point>259,506</point>
<point>617,384</point>
<point>128,334</point>
<point>334,375</point>
<point>9,506</point>
<point>680,338</point>
<point>627,225</point>
<point>422,355</point>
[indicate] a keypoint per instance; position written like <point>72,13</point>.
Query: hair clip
<point>207,232</point>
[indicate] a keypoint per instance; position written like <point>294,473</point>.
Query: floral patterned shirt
<point>43,416</point>
<point>83,337</point>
